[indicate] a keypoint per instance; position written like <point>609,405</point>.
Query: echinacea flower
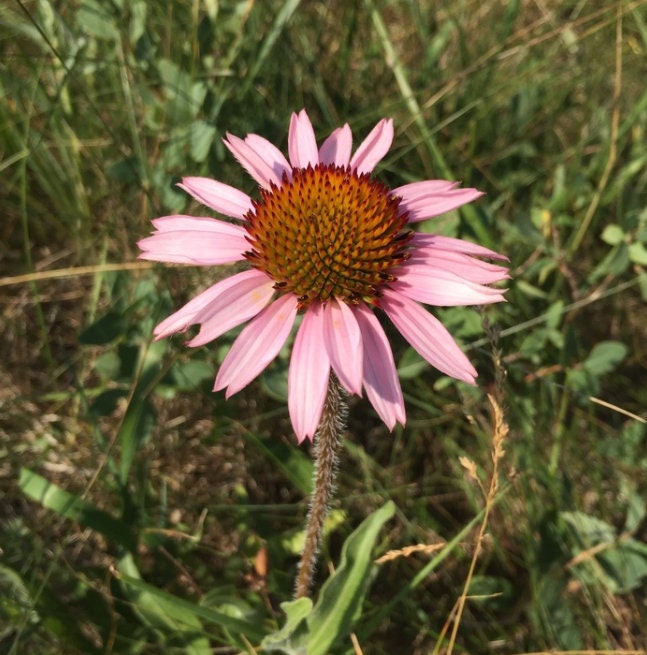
<point>331,243</point>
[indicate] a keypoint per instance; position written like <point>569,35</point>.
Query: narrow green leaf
<point>163,612</point>
<point>16,605</point>
<point>293,462</point>
<point>72,507</point>
<point>169,610</point>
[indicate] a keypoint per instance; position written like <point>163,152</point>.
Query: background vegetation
<point>127,487</point>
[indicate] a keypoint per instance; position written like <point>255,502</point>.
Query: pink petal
<point>308,374</point>
<point>302,144</point>
<point>374,147</point>
<point>194,240</point>
<point>465,266</point>
<point>426,199</point>
<point>270,154</point>
<point>185,316</point>
<point>454,245</point>
<point>424,187</point>
<point>337,147</point>
<point>252,162</point>
<point>242,296</point>
<point>223,198</point>
<point>380,375</point>
<point>437,286</point>
<point>427,336</point>
<point>257,345</point>
<point>343,340</point>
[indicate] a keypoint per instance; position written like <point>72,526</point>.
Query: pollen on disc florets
<point>328,233</point>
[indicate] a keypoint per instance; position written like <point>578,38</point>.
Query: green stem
<point>327,443</point>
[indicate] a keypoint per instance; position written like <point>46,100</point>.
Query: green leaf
<point>556,615</point>
<point>189,375</point>
<point>625,566</point>
<point>163,612</point>
<point>621,566</point>
<point>613,235</point>
<point>589,530</point>
<point>104,330</point>
<point>202,136</point>
<point>139,418</point>
<point>94,19</point>
<point>313,632</point>
<point>605,357</point>
<point>167,612</point>
<point>411,365</point>
<point>16,605</point>
<point>294,463</point>
<point>638,254</point>
<point>342,595</point>
<point>72,507</point>
<point>292,638</point>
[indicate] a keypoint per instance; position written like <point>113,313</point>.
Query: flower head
<point>330,242</point>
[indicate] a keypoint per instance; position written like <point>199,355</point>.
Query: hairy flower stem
<point>326,446</point>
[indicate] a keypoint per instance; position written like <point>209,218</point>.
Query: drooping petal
<point>380,375</point>
<point>252,162</point>
<point>223,198</point>
<point>421,239</point>
<point>374,147</point>
<point>468,267</point>
<point>194,240</point>
<point>270,154</point>
<point>200,308</point>
<point>257,345</point>
<point>343,340</point>
<point>427,336</point>
<point>438,286</point>
<point>336,149</point>
<point>242,296</point>
<point>184,317</point>
<point>308,374</point>
<point>430,198</point>
<point>302,143</point>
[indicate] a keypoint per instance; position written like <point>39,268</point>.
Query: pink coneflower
<point>329,242</point>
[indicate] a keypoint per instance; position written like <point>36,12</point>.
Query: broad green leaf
<point>202,136</point>
<point>292,638</point>
<point>189,375</point>
<point>341,597</point>
<point>638,254</point>
<point>104,330</point>
<point>313,631</point>
<point>613,235</point>
<point>605,357</point>
<point>589,530</point>
<point>625,566</point>
<point>95,19</point>
<point>72,507</point>
<point>555,613</point>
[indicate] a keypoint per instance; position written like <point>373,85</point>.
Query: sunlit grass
<point>104,107</point>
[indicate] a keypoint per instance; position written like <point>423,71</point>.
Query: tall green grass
<point>138,510</point>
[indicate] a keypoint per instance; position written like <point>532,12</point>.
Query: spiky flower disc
<point>328,233</point>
